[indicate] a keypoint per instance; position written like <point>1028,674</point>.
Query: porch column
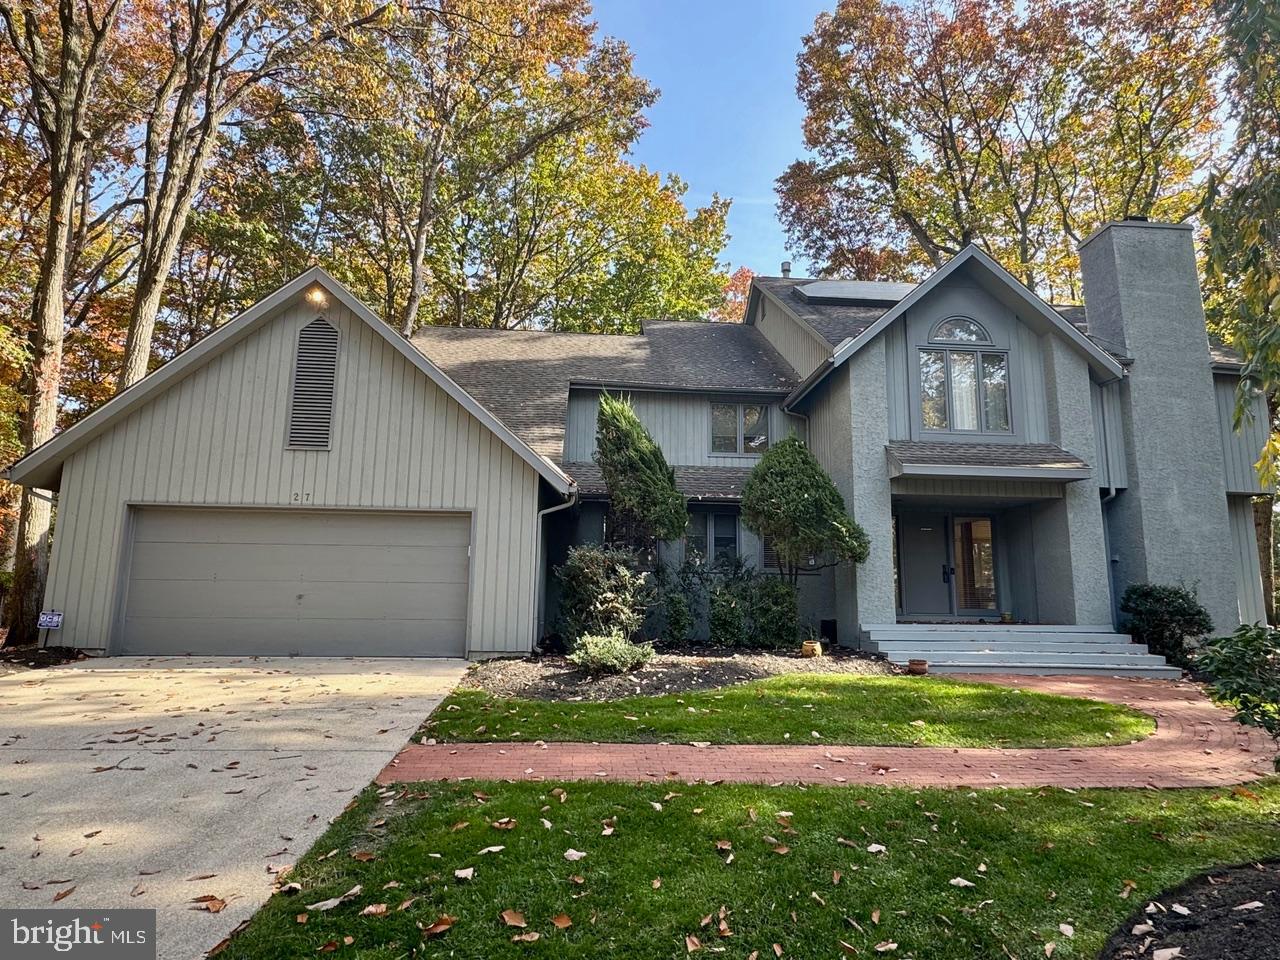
<point>868,497</point>
<point>1073,582</point>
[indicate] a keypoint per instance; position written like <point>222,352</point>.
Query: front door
<point>946,565</point>
<point>924,567</point>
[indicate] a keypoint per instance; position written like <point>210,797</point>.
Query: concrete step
<point>1154,671</point>
<point>1029,639</point>
<point>1032,657</point>
<point>984,627</point>
<point>1001,644</point>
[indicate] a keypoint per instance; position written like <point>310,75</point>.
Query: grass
<point>1036,859</point>
<point>840,708</point>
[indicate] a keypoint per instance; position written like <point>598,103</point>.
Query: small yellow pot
<point>811,648</point>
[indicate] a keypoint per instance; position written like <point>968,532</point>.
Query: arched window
<point>963,390</point>
<point>960,330</point>
<point>315,367</point>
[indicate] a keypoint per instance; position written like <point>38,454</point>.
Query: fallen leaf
<point>1049,948</point>
<point>441,926</point>
<point>1129,887</point>
<point>210,903</point>
<point>492,850</point>
<point>1180,910</point>
<point>574,878</point>
<point>562,921</point>
<point>691,943</point>
<point>460,825</point>
<point>301,918</point>
<point>327,947</point>
<point>334,901</point>
<point>374,910</point>
<point>848,949</point>
<point>63,894</point>
<point>528,937</point>
<point>876,848</point>
<point>885,946</point>
<point>573,855</point>
<point>506,823</point>
<point>657,882</point>
<point>777,949</point>
<point>1066,929</point>
<point>875,917</point>
<point>1168,953</point>
<point>513,918</point>
<point>724,845</point>
<point>1251,905</point>
<point>198,876</point>
<point>782,849</point>
<point>466,873</point>
<point>959,882</point>
<point>364,856</point>
<point>138,890</point>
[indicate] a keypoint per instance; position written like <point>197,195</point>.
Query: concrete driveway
<point>148,782</point>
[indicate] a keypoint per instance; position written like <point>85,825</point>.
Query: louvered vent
<point>314,370</point>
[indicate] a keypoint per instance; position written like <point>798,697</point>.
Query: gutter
<point>540,578</point>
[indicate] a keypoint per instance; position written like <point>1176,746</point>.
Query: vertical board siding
<point>218,437</point>
<point>680,424</point>
<point>798,345</point>
<point>1240,449</point>
<point>899,373</point>
<point>1244,541</point>
<point>1108,433</point>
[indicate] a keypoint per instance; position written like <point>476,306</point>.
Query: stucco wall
<point>218,437</point>
<point>1170,526</point>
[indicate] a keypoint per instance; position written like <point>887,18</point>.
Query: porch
<point>1003,576</point>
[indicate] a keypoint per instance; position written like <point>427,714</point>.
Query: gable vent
<point>314,371</point>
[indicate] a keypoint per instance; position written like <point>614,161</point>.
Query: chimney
<point>1170,526</point>
<point>786,268</point>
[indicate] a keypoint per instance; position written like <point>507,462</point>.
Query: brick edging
<point>1195,744</point>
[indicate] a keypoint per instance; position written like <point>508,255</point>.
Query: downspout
<point>541,579</point>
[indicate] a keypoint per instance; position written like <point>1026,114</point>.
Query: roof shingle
<point>523,376</point>
<point>696,483</point>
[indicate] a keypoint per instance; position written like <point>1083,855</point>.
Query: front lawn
<point>838,708</point>
<point>943,875</point>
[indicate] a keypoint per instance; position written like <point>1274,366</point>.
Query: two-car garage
<point>283,582</point>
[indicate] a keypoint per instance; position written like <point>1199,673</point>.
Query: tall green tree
<point>790,501</point>
<point>643,497</point>
<point>1242,252</point>
<point>1017,126</point>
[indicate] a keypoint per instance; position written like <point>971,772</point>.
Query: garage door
<point>315,583</point>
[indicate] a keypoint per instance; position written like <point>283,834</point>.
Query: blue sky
<point>728,121</point>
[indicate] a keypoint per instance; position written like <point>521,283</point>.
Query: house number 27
<point>302,497</point>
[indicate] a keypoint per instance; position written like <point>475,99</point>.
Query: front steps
<point>1016,648</point>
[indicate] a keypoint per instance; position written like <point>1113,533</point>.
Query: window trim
<point>740,406</point>
<point>986,334</point>
<point>707,519</point>
<point>977,351</point>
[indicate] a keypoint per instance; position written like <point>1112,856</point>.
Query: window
<point>315,367</point>
<point>963,390</point>
<point>739,428</point>
<point>719,530</point>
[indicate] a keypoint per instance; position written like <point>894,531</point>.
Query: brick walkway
<point>1195,745</point>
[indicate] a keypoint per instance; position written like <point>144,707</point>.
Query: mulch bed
<point>1222,921</point>
<point>555,678</point>
<point>33,657</point>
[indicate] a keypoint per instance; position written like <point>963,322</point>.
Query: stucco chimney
<point>786,268</point>
<point>1170,526</point>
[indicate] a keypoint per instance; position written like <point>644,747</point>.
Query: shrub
<point>609,653</point>
<point>774,613</point>
<point>1244,670</point>
<point>602,592</point>
<point>641,484</point>
<point>679,617</point>
<point>1165,618</point>
<point>790,501</point>
<point>728,620</point>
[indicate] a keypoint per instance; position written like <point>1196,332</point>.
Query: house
<point>305,481</point>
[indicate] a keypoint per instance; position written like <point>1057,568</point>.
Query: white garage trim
<point>222,594</point>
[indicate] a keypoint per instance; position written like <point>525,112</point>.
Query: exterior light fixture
<point>317,298</point>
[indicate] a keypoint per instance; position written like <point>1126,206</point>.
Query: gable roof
<point>42,467</point>
<point>856,326</point>
<point>524,376</point>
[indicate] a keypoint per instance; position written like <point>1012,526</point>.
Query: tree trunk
<point>142,325</point>
<point>31,561</point>
<point>1264,529</point>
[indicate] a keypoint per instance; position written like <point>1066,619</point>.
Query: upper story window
<point>965,390</point>
<point>315,367</point>
<point>739,428</point>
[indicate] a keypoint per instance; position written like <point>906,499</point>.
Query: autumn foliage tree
<point>1015,126</point>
